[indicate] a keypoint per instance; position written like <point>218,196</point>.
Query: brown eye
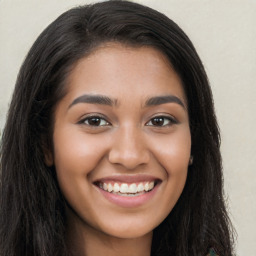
<point>158,121</point>
<point>95,121</point>
<point>161,121</point>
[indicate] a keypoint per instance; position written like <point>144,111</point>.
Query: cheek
<point>76,152</point>
<point>173,152</point>
<point>76,155</point>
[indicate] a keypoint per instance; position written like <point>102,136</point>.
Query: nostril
<point>128,159</point>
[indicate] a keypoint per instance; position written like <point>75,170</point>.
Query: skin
<point>128,141</point>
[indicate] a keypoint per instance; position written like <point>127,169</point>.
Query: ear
<point>48,158</point>
<point>191,159</point>
<point>48,154</point>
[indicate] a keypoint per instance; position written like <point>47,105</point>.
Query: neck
<point>88,241</point>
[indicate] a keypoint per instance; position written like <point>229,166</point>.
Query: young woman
<point>111,145</point>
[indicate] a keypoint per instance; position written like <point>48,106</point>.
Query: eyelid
<point>91,115</point>
<point>171,119</point>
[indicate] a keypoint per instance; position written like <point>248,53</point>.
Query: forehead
<point>116,69</point>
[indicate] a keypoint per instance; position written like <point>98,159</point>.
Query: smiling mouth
<point>126,189</point>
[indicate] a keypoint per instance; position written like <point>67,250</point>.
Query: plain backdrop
<point>224,34</point>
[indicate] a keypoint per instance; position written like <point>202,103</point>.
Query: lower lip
<point>129,201</point>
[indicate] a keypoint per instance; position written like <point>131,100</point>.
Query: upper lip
<point>130,178</point>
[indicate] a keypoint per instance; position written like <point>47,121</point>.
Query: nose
<point>129,148</point>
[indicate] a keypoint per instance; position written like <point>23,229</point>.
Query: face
<point>122,141</point>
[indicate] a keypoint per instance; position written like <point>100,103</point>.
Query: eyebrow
<point>105,100</point>
<point>158,100</point>
<point>94,99</point>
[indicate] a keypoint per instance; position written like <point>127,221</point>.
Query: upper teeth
<point>125,188</point>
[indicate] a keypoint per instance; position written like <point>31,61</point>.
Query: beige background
<point>224,33</point>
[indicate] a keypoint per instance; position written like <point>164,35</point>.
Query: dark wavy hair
<point>32,217</point>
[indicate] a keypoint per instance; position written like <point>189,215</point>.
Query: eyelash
<point>165,121</point>
<point>90,118</point>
